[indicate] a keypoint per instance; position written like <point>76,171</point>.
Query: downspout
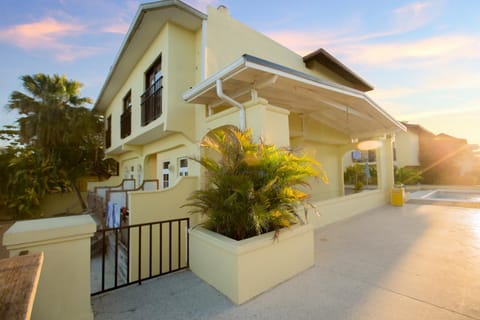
<point>203,54</point>
<point>233,102</point>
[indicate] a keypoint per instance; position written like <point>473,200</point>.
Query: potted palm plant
<point>252,237</point>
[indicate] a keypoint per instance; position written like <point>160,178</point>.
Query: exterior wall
<point>129,169</point>
<point>243,269</point>
<point>266,121</point>
<point>158,206</point>
<point>327,146</point>
<point>59,203</point>
<point>177,132</point>
<point>146,160</point>
<point>228,39</point>
<point>136,83</point>
<point>180,74</point>
<point>339,208</point>
<point>112,181</point>
<point>177,49</point>
<point>407,149</point>
<point>328,157</point>
<point>64,287</point>
<point>171,148</point>
<point>162,204</point>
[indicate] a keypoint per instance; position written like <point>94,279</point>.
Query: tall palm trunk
<point>78,194</point>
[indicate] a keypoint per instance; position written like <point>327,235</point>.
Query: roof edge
<point>338,67</point>
<point>142,9</point>
<point>246,61</point>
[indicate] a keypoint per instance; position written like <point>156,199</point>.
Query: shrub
<point>252,188</point>
<point>406,175</point>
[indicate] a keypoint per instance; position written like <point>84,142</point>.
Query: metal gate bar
<point>134,233</point>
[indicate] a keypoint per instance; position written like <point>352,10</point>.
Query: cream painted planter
<point>244,269</point>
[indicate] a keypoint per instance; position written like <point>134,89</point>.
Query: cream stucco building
<point>180,73</point>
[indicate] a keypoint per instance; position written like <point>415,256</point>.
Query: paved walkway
<point>410,262</point>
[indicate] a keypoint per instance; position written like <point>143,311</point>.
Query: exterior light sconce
<point>369,145</point>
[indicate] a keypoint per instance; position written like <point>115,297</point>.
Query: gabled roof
<point>333,64</point>
<point>345,109</point>
<point>148,21</point>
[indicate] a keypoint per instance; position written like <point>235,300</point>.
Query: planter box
<point>244,269</point>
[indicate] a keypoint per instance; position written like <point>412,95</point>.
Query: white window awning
<point>342,108</point>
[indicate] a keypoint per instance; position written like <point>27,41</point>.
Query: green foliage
<point>407,175</point>
<point>358,186</point>
<point>57,134</point>
<point>28,178</point>
<point>354,173</point>
<point>251,188</point>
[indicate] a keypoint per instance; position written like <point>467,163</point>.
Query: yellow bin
<point>397,197</point>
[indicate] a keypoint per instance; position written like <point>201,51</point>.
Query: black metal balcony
<point>126,123</point>
<point>152,103</point>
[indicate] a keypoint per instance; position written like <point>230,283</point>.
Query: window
<point>364,156</point>
<point>108,133</point>
<point>126,117</point>
<point>152,97</point>
<point>183,167</point>
<point>166,174</point>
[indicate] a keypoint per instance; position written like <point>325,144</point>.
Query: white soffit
<point>345,109</point>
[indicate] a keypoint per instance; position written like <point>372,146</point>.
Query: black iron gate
<point>131,254</point>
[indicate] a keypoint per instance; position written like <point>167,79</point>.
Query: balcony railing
<point>108,138</point>
<point>126,123</point>
<point>152,102</point>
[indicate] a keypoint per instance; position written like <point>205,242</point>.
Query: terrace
<point>410,262</point>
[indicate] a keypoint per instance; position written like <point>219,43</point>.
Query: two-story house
<point>180,73</point>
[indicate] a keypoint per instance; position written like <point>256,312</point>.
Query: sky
<point>422,57</point>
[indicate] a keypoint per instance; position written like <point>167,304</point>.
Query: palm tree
<point>46,109</point>
<point>252,188</point>
<point>54,120</point>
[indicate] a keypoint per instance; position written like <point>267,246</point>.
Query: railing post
<point>161,247</point>
<point>140,254</point>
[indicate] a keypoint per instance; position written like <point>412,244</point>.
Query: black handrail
<point>151,105</point>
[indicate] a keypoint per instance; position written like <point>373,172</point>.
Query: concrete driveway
<point>410,262</point>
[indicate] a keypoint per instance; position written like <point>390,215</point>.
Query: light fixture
<point>369,145</point>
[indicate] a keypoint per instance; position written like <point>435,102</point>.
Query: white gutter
<point>224,97</point>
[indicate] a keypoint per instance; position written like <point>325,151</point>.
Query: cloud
<point>435,49</point>
<point>45,33</point>
<point>68,53</point>
<point>393,93</point>
<point>374,47</point>
<point>413,16</point>
<point>121,15</point>
<point>120,27</point>
<point>52,36</point>
<point>455,78</point>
